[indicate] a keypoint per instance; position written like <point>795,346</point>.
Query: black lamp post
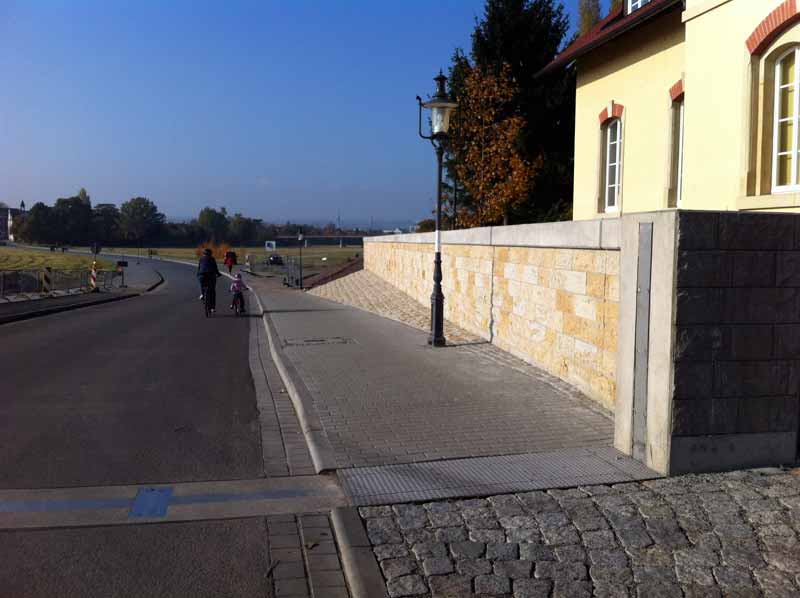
<point>300,243</point>
<point>441,109</point>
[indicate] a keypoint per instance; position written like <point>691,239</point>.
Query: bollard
<point>93,278</point>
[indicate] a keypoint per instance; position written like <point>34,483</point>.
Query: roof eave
<point>634,22</point>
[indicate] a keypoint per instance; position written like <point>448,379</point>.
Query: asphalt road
<point>140,391</point>
<point>200,559</point>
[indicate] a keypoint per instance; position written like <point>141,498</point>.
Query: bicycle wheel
<point>205,303</point>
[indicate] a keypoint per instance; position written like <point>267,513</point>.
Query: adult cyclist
<point>207,274</point>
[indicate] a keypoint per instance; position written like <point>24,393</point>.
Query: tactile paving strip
<point>484,476</point>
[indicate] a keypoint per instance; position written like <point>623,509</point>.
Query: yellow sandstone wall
<point>466,278</point>
<point>554,308</point>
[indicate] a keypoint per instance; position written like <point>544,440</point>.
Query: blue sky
<point>280,110</point>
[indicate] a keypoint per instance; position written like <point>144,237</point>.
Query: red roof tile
<point>615,24</point>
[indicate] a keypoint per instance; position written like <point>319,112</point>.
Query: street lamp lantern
<point>441,108</point>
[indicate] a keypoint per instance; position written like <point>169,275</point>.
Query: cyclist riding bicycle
<point>207,274</point>
<point>237,288</point>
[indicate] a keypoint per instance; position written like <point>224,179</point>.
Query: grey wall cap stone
<point>603,233</point>
<point>469,236</point>
<point>610,233</point>
<point>575,234</point>
<point>409,238</point>
<point>359,564</point>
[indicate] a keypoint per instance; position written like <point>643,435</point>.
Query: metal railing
<point>30,282</point>
<point>293,272</point>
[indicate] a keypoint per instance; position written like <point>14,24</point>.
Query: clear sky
<point>280,110</point>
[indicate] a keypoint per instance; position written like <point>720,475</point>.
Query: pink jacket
<point>238,286</point>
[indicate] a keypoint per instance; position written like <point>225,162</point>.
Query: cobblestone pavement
<point>367,291</point>
<point>715,535</point>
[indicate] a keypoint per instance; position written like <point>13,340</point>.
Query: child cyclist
<point>237,288</point>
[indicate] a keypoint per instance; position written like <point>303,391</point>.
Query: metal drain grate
<point>484,476</point>
<point>313,342</point>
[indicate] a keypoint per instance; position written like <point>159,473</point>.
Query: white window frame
<point>609,164</point>
<point>794,186</point>
<point>636,4</point>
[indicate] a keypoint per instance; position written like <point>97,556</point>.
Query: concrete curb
<point>358,561</point>
<point>319,446</point>
<point>29,315</point>
<point>154,286</point>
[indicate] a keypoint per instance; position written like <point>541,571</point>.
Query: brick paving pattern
<point>283,444</point>
<point>367,291</point>
<point>303,558</point>
<point>383,399</point>
<point>469,403</point>
<point>712,535</point>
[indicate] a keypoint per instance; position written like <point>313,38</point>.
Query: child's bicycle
<point>238,307</point>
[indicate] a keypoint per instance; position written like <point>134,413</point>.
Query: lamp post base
<point>441,342</point>
<point>436,337</point>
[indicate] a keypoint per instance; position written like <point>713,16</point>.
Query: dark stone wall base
<point>696,454</point>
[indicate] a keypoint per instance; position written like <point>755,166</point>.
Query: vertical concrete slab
<point>641,343</point>
<point>661,337</point>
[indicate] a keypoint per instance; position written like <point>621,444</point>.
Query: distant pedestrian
<point>230,260</point>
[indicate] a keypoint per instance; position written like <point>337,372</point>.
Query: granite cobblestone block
<point>733,534</point>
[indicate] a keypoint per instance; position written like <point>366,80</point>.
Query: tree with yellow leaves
<point>484,140</point>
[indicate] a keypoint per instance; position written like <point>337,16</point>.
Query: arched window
<point>676,159</point>
<point>612,163</point>
<point>785,132</point>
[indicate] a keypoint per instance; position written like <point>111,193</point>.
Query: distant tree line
<point>75,221</point>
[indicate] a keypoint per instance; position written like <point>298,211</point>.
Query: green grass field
<point>311,255</point>
<point>31,259</point>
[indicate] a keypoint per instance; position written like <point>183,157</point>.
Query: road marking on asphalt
<point>42,506</point>
<point>151,502</point>
<point>115,505</point>
<point>148,502</point>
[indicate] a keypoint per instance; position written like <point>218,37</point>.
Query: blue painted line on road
<point>148,502</point>
<point>151,502</point>
<point>44,506</point>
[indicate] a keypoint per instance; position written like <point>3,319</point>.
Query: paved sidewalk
<point>721,535</point>
<point>385,397</point>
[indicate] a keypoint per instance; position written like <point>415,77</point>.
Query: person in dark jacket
<point>207,274</point>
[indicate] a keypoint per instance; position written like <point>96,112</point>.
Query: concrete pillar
<point>660,333</point>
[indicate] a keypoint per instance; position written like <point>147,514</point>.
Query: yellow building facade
<point>689,104</point>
